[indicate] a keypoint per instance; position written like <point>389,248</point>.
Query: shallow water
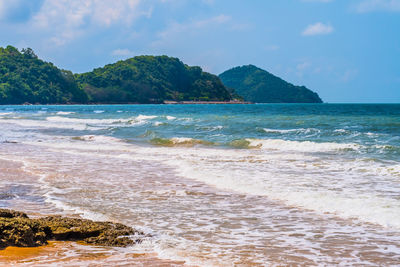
<point>217,184</point>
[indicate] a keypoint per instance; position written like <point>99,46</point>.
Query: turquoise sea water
<point>364,124</point>
<point>220,184</point>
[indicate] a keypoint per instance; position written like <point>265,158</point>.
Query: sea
<point>212,184</point>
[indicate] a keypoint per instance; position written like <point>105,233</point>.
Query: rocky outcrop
<point>17,229</point>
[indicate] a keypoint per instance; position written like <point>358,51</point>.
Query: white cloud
<point>68,19</point>
<point>317,29</point>
<point>378,5</point>
<point>178,29</point>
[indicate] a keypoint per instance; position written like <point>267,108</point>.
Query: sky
<point>348,51</point>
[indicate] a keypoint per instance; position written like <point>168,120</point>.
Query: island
<point>260,86</point>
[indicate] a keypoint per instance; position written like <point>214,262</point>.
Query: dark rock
<point>22,232</point>
<point>5,213</point>
<point>16,229</point>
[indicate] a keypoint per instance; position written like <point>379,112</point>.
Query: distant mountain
<point>25,78</point>
<point>142,79</point>
<point>260,86</point>
<point>151,79</point>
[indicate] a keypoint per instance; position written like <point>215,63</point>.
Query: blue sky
<point>346,50</point>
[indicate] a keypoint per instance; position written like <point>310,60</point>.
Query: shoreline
<point>163,103</point>
<point>69,253</point>
<point>205,102</point>
<point>65,244</point>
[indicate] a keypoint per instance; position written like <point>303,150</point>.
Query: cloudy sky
<point>346,50</point>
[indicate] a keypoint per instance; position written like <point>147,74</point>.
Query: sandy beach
<point>204,200</point>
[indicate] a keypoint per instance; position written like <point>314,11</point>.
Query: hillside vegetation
<point>25,78</point>
<point>257,85</point>
<point>151,79</point>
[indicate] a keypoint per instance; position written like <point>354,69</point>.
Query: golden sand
<point>74,254</point>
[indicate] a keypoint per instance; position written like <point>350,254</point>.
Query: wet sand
<point>64,253</point>
<point>193,218</point>
<point>75,254</point>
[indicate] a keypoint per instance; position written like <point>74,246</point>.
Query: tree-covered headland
<point>151,79</point>
<point>26,78</point>
<point>260,86</point>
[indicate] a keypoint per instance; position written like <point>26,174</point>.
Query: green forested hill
<point>257,85</point>
<point>151,79</point>
<point>25,78</point>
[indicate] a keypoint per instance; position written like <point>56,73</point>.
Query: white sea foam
<point>179,140</point>
<point>286,131</point>
<point>304,146</point>
<point>98,111</point>
<point>170,118</point>
<point>325,184</point>
<point>145,117</point>
<point>98,138</point>
<point>65,113</point>
<point>267,130</point>
<point>48,124</point>
<point>86,121</point>
<point>303,184</point>
<point>138,120</point>
<point>158,123</point>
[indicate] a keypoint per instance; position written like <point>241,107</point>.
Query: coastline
<point>205,102</point>
<point>211,205</point>
<point>66,253</point>
<point>166,102</point>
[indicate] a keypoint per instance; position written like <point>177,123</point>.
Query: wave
<point>145,117</point>
<point>285,131</point>
<point>48,124</point>
<point>178,141</point>
<point>388,149</point>
<point>159,123</point>
<point>85,121</point>
<point>323,184</point>
<point>96,138</point>
<point>242,143</point>
<point>140,119</point>
<point>65,113</point>
<point>299,146</point>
